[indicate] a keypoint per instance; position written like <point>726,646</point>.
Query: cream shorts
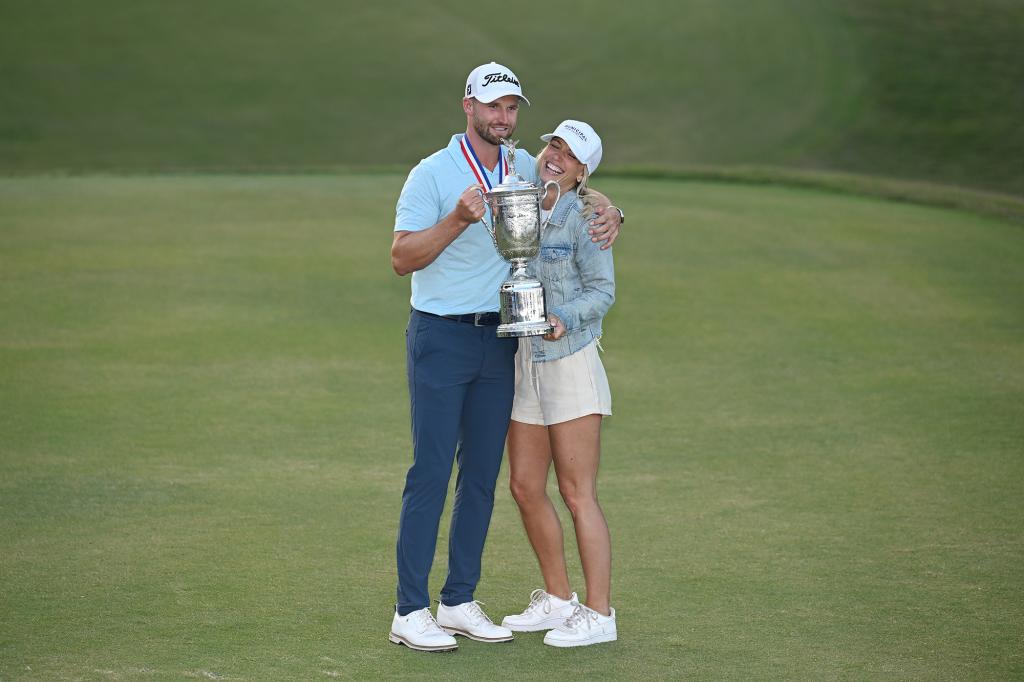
<point>560,390</point>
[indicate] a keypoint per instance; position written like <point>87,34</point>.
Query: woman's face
<point>558,163</point>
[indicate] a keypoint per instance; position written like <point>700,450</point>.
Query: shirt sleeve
<point>419,204</point>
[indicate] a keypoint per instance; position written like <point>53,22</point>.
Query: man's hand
<point>604,226</point>
<point>558,331</point>
<point>470,208</point>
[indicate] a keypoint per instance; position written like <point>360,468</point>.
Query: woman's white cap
<point>488,82</point>
<point>582,140</point>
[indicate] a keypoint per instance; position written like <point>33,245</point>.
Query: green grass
<point>926,90</point>
<point>814,470</point>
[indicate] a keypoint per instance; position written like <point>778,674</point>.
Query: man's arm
<point>604,226</point>
<point>415,250</point>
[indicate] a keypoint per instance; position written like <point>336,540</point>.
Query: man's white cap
<point>582,140</point>
<point>488,82</point>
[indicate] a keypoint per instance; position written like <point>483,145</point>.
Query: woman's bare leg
<point>529,459</point>
<point>576,450</point>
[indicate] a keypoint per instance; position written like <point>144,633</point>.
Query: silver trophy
<point>516,228</point>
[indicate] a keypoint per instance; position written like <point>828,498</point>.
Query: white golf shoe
<point>584,627</point>
<point>470,621</point>
<point>418,630</point>
<point>545,611</point>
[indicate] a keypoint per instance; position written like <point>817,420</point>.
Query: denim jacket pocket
<point>554,262</point>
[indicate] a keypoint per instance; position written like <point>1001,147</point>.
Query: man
<point>460,373</point>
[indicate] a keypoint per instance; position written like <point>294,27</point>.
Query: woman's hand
<point>558,331</point>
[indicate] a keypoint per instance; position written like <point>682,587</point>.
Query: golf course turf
<point>813,472</point>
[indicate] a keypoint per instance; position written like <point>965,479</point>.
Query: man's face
<point>497,119</point>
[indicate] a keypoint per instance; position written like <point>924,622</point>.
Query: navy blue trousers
<point>461,383</point>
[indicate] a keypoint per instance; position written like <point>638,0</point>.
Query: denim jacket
<point>578,279</point>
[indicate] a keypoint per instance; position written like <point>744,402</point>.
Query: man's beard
<point>481,129</point>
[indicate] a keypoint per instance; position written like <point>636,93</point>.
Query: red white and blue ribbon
<point>477,167</point>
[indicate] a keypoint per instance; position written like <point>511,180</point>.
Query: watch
<point>622,216</point>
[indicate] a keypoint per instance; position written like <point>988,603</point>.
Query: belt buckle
<point>476,319</point>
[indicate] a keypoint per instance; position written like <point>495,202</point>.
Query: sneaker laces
<point>539,599</point>
<point>474,611</point>
<point>425,621</point>
<point>580,615</point>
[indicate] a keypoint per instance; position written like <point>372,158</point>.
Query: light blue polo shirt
<point>466,276</point>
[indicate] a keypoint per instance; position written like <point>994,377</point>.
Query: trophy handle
<point>490,227</point>
<point>540,201</point>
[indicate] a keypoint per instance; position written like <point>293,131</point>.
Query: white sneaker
<point>469,620</point>
<point>418,630</point>
<point>584,627</point>
<point>544,612</point>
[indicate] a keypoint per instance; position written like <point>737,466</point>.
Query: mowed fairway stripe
<point>814,468</point>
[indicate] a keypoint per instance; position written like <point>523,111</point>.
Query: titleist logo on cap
<point>499,78</point>
<point>577,131</point>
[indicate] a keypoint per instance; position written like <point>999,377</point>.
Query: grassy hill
<point>917,89</point>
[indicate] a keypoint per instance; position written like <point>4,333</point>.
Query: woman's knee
<point>576,497</point>
<point>527,492</point>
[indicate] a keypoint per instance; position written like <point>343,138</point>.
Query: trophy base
<point>522,308</point>
<point>524,329</point>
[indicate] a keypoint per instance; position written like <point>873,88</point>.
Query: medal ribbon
<point>477,167</point>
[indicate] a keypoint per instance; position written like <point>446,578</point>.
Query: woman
<point>561,397</point>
